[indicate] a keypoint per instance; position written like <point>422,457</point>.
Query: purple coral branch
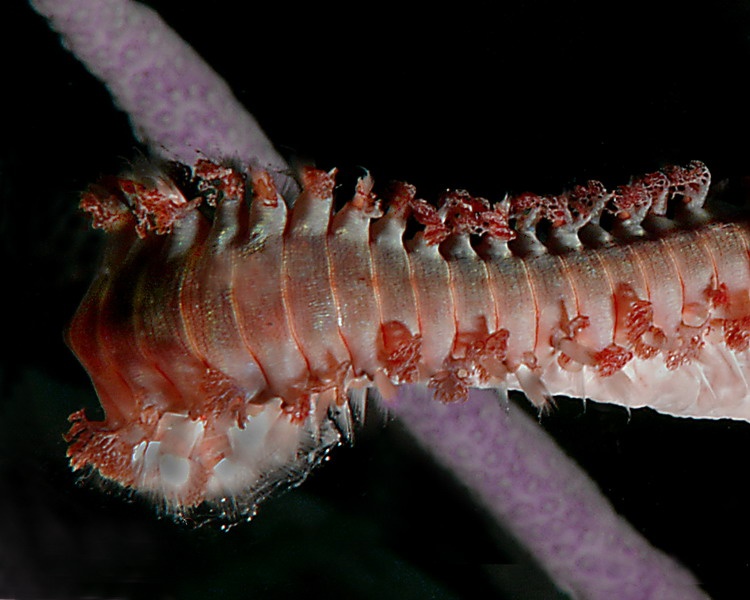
<point>176,103</point>
<point>525,480</point>
<point>180,107</point>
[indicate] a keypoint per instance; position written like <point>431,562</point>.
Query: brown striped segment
<point>121,335</point>
<point>391,271</point>
<point>257,294</point>
<point>555,297</point>
<point>159,317</point>
<point>696,269</point>
<point>400,343</point>
<point>208,311</point>
<point>515,303</point>
<point>92,336</point>
<point>85,337</point>
<point>431,279</point>
<point>306,281</point>
<point>728,245</point>
<point>663,282</point>
<point>628,282</point>
<point>352,280</point>
<point>595,297</point>
<point>473,305</point>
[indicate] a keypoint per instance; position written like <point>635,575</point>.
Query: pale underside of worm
<point>232,339</point>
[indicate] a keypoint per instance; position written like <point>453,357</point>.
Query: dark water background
<point>537,97</point>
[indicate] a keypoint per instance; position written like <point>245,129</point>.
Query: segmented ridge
<point>190,416</point>
<point>337,273</point>
<point>153,201</point>
<point>221,318</point>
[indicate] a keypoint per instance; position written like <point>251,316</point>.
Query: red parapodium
<point>229,344</point>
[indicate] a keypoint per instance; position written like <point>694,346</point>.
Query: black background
<point>490,97</point>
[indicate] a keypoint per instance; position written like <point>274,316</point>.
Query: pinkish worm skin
<point>63,14</point>
<point>197,325</point>
<point>224,349</point>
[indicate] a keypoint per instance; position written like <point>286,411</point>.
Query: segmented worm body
<point>230,338</point>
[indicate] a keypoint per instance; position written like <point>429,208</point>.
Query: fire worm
<point>232,340</point>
